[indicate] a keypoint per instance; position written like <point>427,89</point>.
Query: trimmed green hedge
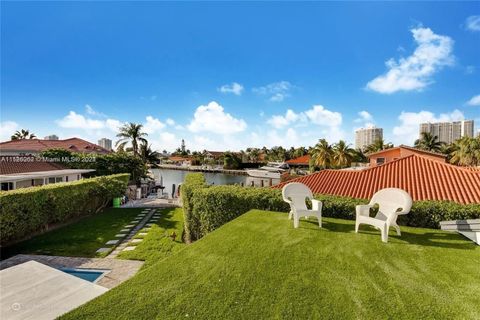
<point>209,207</point>
<point>31,210</point>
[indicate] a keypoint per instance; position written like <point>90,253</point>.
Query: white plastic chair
<point>392,203</point>
<point>295,195</point>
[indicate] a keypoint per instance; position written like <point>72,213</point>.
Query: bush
<point>207,208</point>
<point>31,210</point>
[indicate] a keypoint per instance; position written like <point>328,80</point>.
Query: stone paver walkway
<point>123,245</point>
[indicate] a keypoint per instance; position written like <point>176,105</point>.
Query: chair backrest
<point>295,194</point>
<point>391,202</point>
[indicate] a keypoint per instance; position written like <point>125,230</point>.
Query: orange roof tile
<point>402,146</point>
<point>13,164</point>
<point>421,177</point>
<point>303,160</point>
<point>38,145</point>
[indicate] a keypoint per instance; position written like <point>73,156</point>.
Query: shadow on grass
<point>424,237</point>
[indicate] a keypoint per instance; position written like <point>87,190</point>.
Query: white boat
<point>273,170</point>
<point>268,174</point>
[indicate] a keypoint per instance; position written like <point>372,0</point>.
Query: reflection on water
<point>176,177</point>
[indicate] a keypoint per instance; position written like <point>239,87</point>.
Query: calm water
<point>176,177</point>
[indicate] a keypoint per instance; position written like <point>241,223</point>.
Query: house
<point>27,171</point>
<point>423,176</point>
<point>25,147</point>
<point>181,161</point>
<point>303,161</point>
<point>387,155</point>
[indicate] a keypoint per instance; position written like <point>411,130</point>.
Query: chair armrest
<point>316,205</point>
<point>363,209</point>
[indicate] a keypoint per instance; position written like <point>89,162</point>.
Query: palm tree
<point>378,145</point>
<point>148,155</point>
<point>428,142</point>
<point>131,132</point>
<point>253,154</point>
<point>466,152</point>
<point>322,154</point>
<point>342,154</point>
<point>23,134</point>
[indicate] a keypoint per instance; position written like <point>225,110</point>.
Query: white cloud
<point>415,72</point>
<point>277,91</point>
<point>152,125</point>
<point>407,131</point>
<point>234,87</point>
<point>364,116</point>
<point>75,120</point>
<point>279,121</point>
<point>7,129</point>
<point>90,111</point>
<point>473,23</point>
<point>170,122</point>
<point>113,125</point>
<point>474,101</point>
<point>324,117</point>
<point>213,118</point>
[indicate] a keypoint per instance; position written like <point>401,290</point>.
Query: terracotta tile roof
<point>303,160</point>
<point>38,145</point>
<point>402,146</point>
<point>421,177</point>
<point>13,164</point>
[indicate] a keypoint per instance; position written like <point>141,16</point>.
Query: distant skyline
<point>237,75</point>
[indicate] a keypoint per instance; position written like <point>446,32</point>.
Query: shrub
<point>207,208</point>
<point>193,182</point>
<point>31,210</point>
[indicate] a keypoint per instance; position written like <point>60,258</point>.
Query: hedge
<point>32,210</point>
<point>209,207</point>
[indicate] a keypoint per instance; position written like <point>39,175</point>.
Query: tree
<point>131,133</point>
<point>148,155</point>
<point>231,161</point>
<point>342,154</point>
<point>253,154</point>
<point>23,134</point>
<point>322,154</point>
<point>466,152</point>
<point>378,145</point>
<point>428,142</point>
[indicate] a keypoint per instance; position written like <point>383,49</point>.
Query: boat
<point>273,170</point>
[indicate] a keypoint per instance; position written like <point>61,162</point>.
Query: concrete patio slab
<point>120,235</point>
<point>111,242</point>
<point>136,240</point>
<point>32,290</point>
<point>103,250</point>
<point>129,248</point>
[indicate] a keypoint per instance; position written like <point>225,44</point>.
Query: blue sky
<point>233,75</point>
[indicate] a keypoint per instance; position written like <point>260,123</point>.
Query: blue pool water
<point>85,274</point>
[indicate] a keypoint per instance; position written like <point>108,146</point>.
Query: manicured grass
<point>259,267</point>
<point>158,243</point>
<point>79,239</point>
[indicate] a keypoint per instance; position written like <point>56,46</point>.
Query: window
<point>380,161</point>
<point>59,179</point>
<point>7,186</point>
<point>51,180</point>
<point>55,179</point>
<point>66,179</point>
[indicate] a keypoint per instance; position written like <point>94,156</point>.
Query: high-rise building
<point>448,132</point>
<point>105,143</point>
<point>367,136</point>
<point>51,137</point>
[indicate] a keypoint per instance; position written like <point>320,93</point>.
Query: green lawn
<point>259,267</point>
<point>158,243</point>
<point>79,239</point>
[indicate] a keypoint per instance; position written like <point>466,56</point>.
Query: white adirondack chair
<point>392,203</point>
<point>295,195</point>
